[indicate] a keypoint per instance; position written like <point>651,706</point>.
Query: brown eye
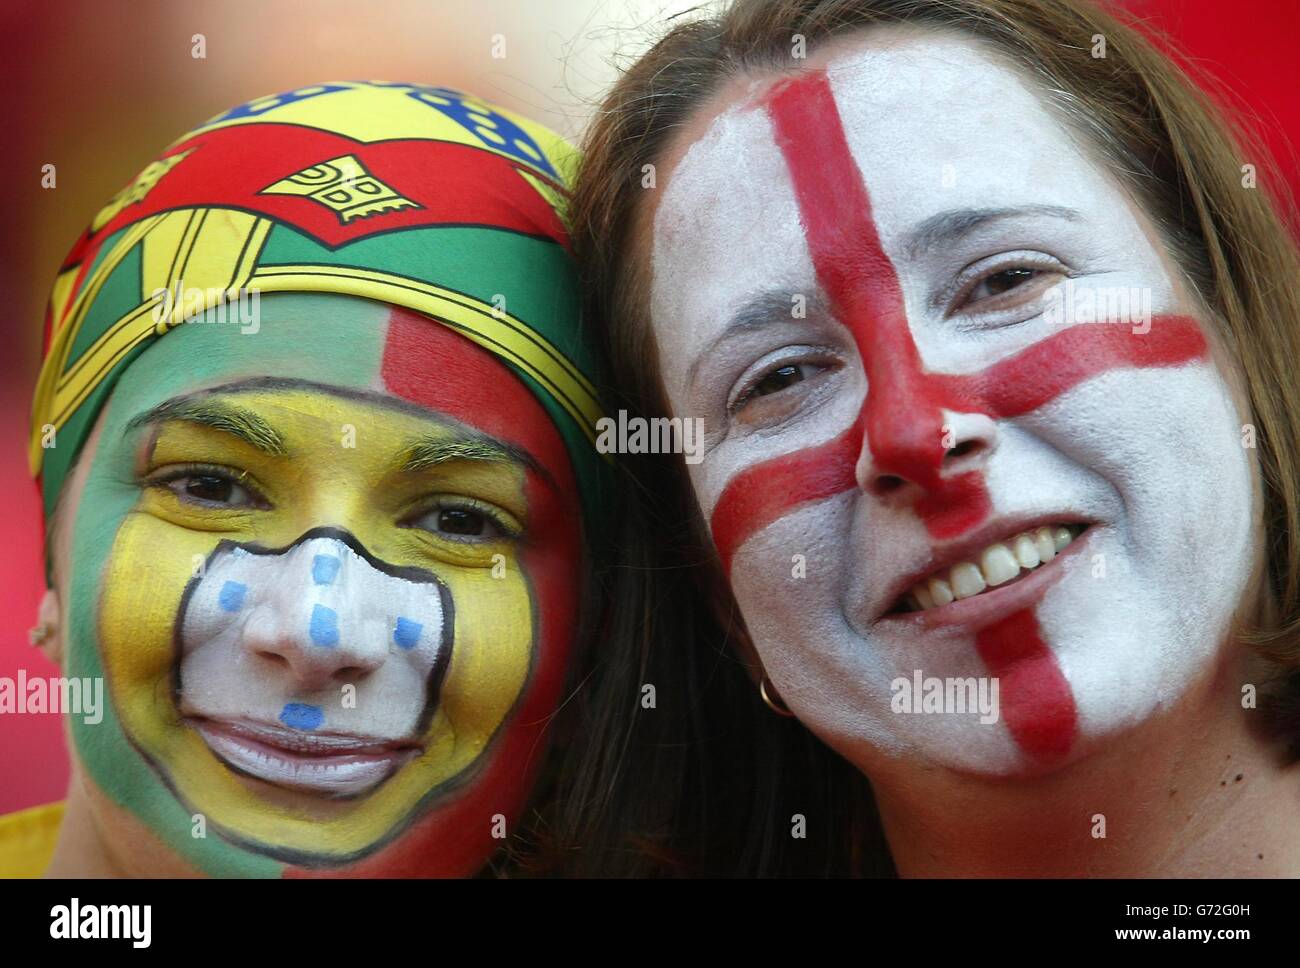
<point>465,519</point>
<point>209,487</point>
<point>1004,281</point>
<point>778,379</point>
<point>764,400</point>
<point>461,522</point>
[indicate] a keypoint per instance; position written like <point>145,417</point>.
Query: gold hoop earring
<point>39,634</point>
<point>772,699</point>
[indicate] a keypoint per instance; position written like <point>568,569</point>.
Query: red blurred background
<point>98,89</point>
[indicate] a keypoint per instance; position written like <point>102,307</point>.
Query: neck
<point>1196,792</point>
<point>82,849</point>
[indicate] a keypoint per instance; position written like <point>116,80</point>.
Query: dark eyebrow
<point>769,308</point>
<point>951,226</point>
<point>428,452</point>
<point>225,417</point>
<point>425,452</point>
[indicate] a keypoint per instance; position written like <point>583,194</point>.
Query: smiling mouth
<point>1000,564</point>
<point>332,764</point>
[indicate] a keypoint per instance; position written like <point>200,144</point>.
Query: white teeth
<point>998,564</point>
<point>1044,544</point>
<point>966,580</point>
<point>941,591</point>
<point>1025,551</point>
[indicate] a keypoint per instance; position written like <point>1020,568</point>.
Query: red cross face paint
<point>961,418</point>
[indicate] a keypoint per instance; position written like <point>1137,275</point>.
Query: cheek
<point>552,561</point>
<point>1177,554</point>
<point>795,587</point>
<point>1169,444</point>
<point>790,587</point>
<point>141,597</point>
<point>790,582</point>
<point>1155,457</point>
<point>495,638</point>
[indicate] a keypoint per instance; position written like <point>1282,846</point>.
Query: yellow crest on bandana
<point>344,187</point>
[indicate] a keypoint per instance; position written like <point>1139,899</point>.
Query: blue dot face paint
<point>461,221</point>
<point>231,597</point>
<point>407,633</point>
<point>300,715</point>
<point>324,627</point>
<point>314,609</point>
<point>369,737</point>
<point>324,568</point>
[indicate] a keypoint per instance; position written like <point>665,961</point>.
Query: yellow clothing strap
<point>27,840</point>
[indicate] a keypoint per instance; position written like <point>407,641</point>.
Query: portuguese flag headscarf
<point>358,188</point>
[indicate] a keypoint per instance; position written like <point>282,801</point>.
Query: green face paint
<point>333,445</point>
<point>346,339</point>
<point>406,246</point>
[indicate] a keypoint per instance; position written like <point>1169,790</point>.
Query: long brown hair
<point>709,780</point>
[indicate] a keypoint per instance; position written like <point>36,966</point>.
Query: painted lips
<point>338,765</point>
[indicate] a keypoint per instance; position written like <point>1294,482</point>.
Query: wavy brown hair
<point>707,781</point>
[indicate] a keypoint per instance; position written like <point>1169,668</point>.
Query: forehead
<point>933,123</point>
<point>320,338</point>
<point>354,346</point>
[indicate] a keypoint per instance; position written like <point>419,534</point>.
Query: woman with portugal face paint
<point>314,436</point>
<point>991,565</point>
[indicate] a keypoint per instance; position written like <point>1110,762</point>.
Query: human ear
<point>47,635</point>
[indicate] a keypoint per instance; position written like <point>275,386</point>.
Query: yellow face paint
<point>258,470</point>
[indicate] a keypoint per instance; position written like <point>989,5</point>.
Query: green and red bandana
<point>417,196</point>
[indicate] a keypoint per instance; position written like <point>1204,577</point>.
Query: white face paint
<point>1147,457</point>
<point>312,668</point>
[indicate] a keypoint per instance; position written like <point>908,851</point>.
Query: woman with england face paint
<point>992,348</point>
<point>314,434</point>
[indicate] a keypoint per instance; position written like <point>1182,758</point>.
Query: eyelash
<point>793,356</point>
<point>237,478</point>
<point>980,272</point>
<point>508,530</point>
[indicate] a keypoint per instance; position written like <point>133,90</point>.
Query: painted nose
<point>302,639</point>
<point>906,453</point>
